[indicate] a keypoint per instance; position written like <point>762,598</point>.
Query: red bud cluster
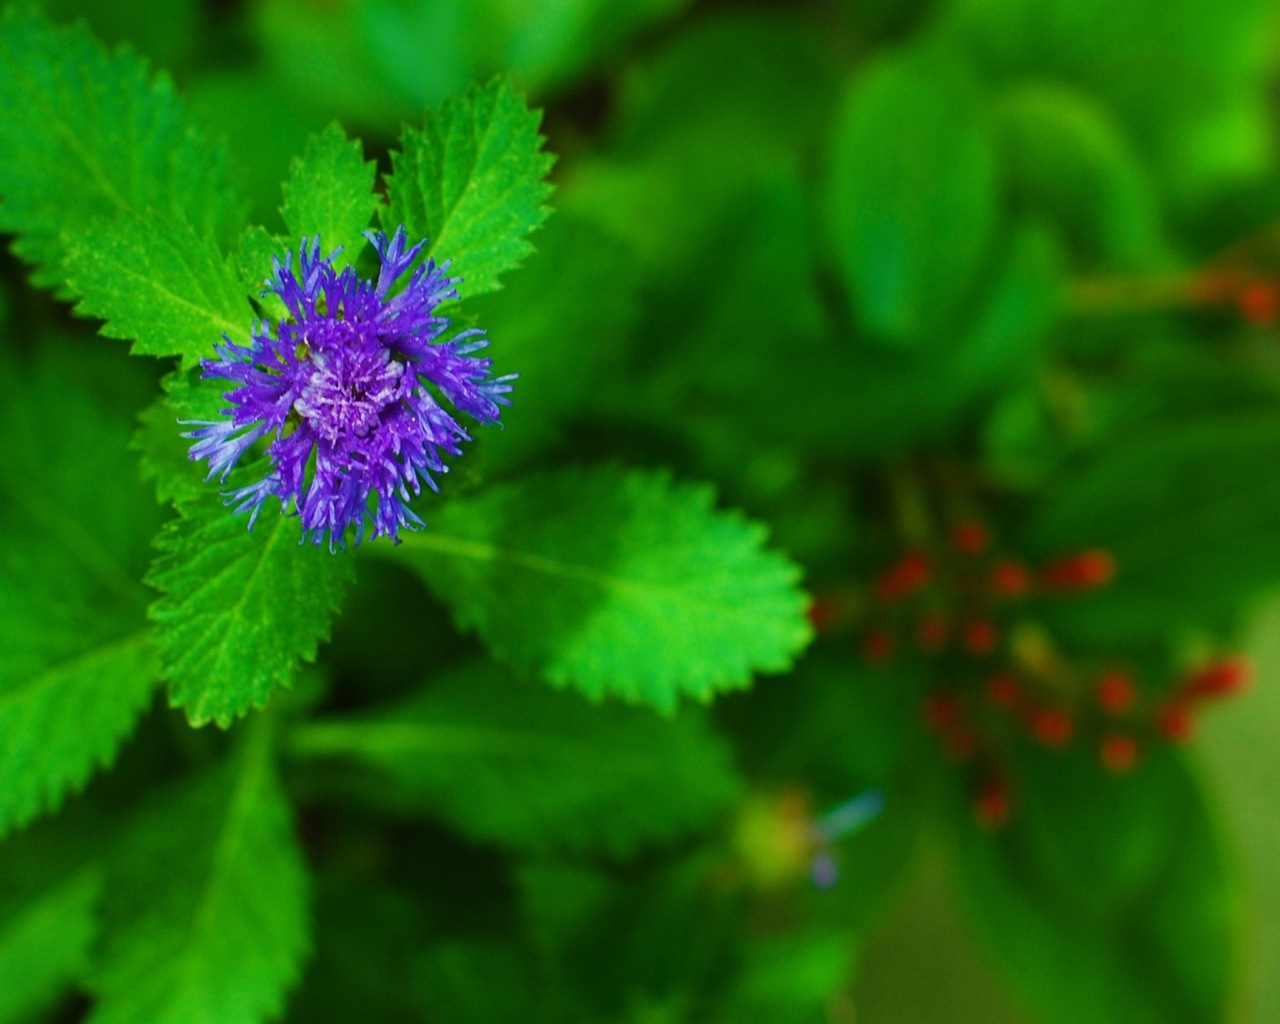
<point>1116,693</point>
<point>1079,572</point>
<point>963,595</point>
<point>1259,302</point>
<point>908,575</point>
<point>992,803</point>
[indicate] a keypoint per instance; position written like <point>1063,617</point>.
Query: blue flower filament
<point>349,390</point>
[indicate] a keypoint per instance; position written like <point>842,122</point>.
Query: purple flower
<point>349,390</point>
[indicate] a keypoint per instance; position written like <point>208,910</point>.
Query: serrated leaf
<point>90,135</point>
<point>76,661</point>
<point>616,583</point>
<point>471,181</point>
<point>159,285</point>
<point>512,761</point>
<point>253,259</point>
<point>223,938</point>
<point>165,453</point>
<point>330,193</point>
<point>239,610</point>
<point>46,938</point>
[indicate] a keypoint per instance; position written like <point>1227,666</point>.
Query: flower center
<point>346,392</point>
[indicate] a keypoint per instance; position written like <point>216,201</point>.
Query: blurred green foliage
<point>971,307</point>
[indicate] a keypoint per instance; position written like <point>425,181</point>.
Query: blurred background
<point>890,267</point>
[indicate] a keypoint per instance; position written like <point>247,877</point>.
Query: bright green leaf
<point>164,287</point>
<point>615,583</point>
<point>511,760</point>
<point>224,936</point>
<point>258,247</point>
<point>239,609</point>
<point>88,136</point>
<point>911,193</point>
<point>472,181</point>
<point>330,193</point>
<point>77,665</point>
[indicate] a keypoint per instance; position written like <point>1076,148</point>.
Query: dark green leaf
<point>1112,905</point>
<point>1068,161</point>
<point>561,324</point>
<point>223,938</point>
<point>46,937</point>
<point>1191,515</point>
<point>512,761</point>
<point>911,193</point>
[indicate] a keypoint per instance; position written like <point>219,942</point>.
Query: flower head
<point>348,388</point>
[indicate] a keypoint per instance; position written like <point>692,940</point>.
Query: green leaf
<point>911,193</point>
<point>161,285</point>
<point>731,100</point>
<point>1198,112</point>
<point>1191,515</point>
<point>1068,160</point>
<point>330,193</point>
<point>515,762</point>
<point>430,50</point>
<point>789,978</point>
<point>77,665</point>
<point>45,943</point>
<point>258,247</point>
<point>223,938</point>
<point>165,453</point>
<point>471,181</point>
<point>88,136</point>
<point>238,610</point>
<point>562,324</point>
<point>1109,905</point>
<point>615,583</point>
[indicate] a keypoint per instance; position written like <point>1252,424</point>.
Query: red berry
<point>969,537</point>
<point>1052,727</point>
<point>931,633</point>
<point>1010,579</point>
<point>1119,753</point>
<point>910,573</point>
<point>823,611</point>
<point>1220,678</point>
<point>980,636</point>
<point>877,646</point>
<point>992,804</point>
<point>1003,689</point>
<point>960,743</point>
<point>1259,303</point>
<point>941,711</point>
<point>1116,693</point>
<point>1176,722</point>
<point>1087,569</point>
